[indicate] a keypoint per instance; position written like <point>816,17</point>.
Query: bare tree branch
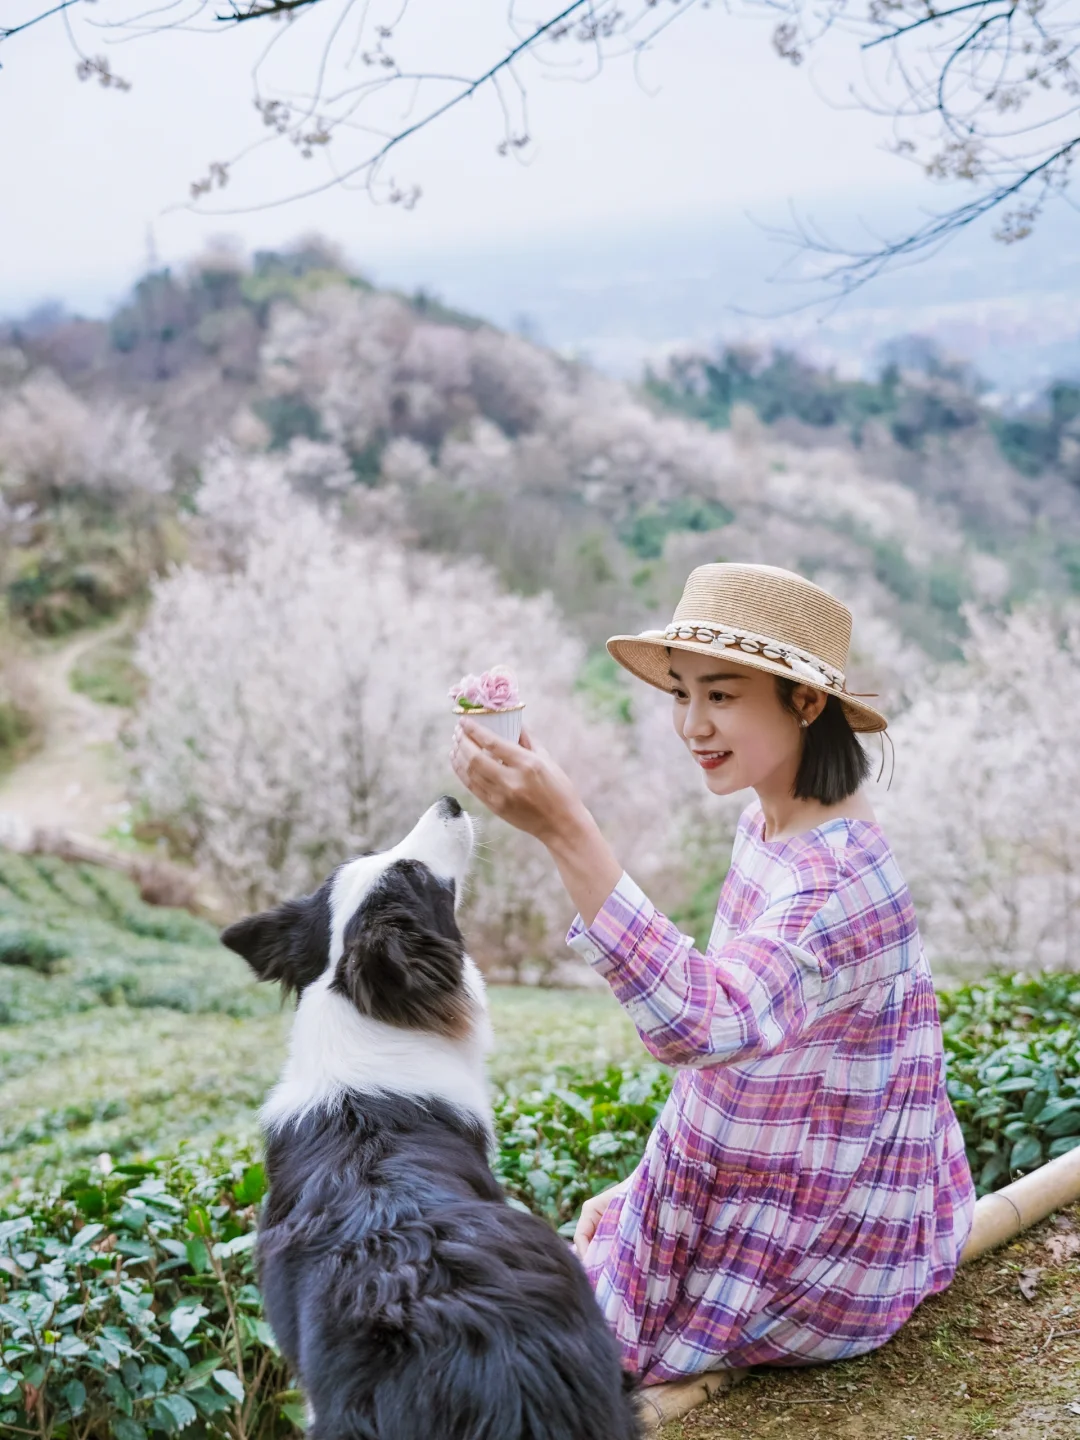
<point>983,94</point>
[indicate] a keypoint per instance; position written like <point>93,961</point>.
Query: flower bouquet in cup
<point>492,699</point>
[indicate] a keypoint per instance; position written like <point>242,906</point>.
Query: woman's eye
<point>717,695</point>
<point>679,694</point>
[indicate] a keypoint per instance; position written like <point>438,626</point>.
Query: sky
<point>710,128</point>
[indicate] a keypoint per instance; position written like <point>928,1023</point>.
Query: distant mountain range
<point>625,296</point>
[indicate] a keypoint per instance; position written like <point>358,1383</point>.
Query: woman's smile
<point>711,759</point>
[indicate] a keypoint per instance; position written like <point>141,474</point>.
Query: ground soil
<point>997,1354</point>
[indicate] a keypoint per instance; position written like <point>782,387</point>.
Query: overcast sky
<point>712,124</point>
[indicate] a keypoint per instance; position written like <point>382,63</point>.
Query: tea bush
<point>128,1307</point>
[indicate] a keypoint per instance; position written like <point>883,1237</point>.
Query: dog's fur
<point>412,1302</point>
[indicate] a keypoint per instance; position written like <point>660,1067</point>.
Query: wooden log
<point>159,881</point>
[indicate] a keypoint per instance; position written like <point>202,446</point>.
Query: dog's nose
<point>449,807</point>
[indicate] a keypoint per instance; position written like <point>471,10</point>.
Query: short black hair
<point>834,763</point>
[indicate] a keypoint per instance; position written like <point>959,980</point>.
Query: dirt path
<point>74,780</point>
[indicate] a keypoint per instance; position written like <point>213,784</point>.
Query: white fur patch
<point>334,1049</point>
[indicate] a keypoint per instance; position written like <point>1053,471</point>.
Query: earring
<point>804,723</point>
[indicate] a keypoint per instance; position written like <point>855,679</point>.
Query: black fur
<point>290,944</point>
<point>403,956</point>
<point>413,1302</point>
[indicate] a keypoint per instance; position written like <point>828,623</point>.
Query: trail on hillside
<point>74,780</point>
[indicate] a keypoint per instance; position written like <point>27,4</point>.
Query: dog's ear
<point>290,944</point>
<point>398,968</point>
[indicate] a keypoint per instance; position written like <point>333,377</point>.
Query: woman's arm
<point>749,998</point>
<point>523,785</point>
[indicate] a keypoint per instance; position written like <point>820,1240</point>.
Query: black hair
<point>834,763</point>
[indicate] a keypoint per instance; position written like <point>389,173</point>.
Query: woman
<point>806,1185</point>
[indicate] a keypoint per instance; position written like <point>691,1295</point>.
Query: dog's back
<point>414,1303</point>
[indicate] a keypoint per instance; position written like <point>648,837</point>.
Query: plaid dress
<point>805,1186</point>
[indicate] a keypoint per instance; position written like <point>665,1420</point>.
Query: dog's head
<point>382,930</point>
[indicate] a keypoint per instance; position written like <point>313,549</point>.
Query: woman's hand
<point>520,783</point>
<point>591,1212</point>
<point>523,785</point>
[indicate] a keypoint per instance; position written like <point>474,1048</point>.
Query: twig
<point>766,1400</point>
<point>1049,1339</point>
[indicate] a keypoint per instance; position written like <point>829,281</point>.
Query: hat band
<point>724,637</point>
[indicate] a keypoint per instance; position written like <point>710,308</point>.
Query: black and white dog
<point>411,1301</point>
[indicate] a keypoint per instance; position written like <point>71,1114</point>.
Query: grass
<point>125,1028</point>
<point>106,673</point>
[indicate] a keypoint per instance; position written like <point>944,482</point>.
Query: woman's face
<point>730,718</point>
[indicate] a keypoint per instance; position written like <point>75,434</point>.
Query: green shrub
<point>572,1136</point>
<point>1013,1056</point>
<point>128,1307</point>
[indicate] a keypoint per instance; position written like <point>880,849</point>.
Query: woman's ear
<point>808,701</point>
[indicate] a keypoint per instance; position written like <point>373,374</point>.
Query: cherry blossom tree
<point>296,709</point>
<point>982,811</point>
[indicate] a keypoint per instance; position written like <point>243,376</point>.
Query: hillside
<point>909,492</point>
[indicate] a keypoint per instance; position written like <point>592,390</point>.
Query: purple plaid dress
<point>806,1185</point>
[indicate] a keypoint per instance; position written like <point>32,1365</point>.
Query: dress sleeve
<point>752,996</point>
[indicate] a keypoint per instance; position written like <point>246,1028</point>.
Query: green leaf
<point>118,1394</point>
<point>74,1393</point>
<point>124,1428</point>
<point>179,1407</point>
<point>198,1256</point>
<point>185,1319</point>
<point>198,1221</point>
<point>1063,1146</point>
<point>87,1235</point>
<point>251,1188</point>
<point>208,1401</point>
<point>230,1383</point>
<point>1026,1154</point>
<point>200,1373</point>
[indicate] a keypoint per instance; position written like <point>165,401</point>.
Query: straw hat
<point>762,617</point>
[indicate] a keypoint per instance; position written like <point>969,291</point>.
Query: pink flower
<point>495,689</point>
<point>499,689</point>
<point>469,690</point>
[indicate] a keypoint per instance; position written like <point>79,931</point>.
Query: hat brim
<point>647,658</point>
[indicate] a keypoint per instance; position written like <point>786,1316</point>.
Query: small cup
<point>504,723</point>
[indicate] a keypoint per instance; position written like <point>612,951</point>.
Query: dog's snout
<point>449,808</point>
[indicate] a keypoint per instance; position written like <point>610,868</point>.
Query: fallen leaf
<point>1028,1282</point>
<point>989,1335</point>
<point>1073,1407</point>
<point>1061,1248</point>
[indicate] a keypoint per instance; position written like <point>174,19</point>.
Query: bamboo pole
<point>998,1218</point>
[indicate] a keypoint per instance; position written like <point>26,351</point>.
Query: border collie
<point>411,1301</point>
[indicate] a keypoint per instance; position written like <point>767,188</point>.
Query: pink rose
<point>470,689</point>
<point>495,689</point>
<point>499,689</point>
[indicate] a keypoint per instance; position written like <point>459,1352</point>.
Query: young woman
<point>806,1185</point>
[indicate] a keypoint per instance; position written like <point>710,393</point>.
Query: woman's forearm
<point>586,863</point>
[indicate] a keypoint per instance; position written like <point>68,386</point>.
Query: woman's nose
<point>698,721</point>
